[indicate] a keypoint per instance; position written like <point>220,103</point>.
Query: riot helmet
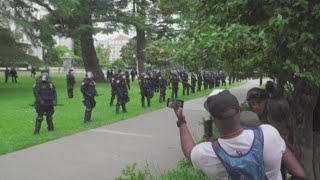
<point>71,72</point>
<point>44,77</point>
<point>89,75</point>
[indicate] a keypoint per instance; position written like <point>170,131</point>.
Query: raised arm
<point>186,140</point>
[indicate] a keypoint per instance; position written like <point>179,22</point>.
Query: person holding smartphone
<point>237,148</point>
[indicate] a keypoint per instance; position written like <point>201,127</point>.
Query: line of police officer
<point>149,83</point>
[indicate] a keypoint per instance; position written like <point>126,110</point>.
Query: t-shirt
<point>204,158</point>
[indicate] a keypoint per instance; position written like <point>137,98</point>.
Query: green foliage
<point>103,56</point>
<point>132,172</point>
<point>14,53</point>
<point>54,55</point>
<point>184,171</point>
<point>129,54</point>
<point>241,37</point>
<point>119,64</point>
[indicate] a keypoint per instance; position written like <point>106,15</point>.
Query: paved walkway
<point>101,153</point>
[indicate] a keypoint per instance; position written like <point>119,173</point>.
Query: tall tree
<point>81,22</point>
<point>276,38</point>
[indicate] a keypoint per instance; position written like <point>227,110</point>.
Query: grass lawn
<point>17,117</point>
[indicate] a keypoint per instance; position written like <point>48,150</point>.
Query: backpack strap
<point>258,135</point>
<point>217,148</point>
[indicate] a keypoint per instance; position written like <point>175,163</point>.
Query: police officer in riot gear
<point>163,87</point>
<point>127,76</point>
<point>46,98</point>
<point>113,89</point>
<point>193,83</point>
<point>185,83</point>
<point>14,75</point>
<point>145,89</point>
<point>174,81</point>
<point>33,72</point>
<point>199,81</point>
<point>88,89</point>
<point>205,80</point>
<point>70,83</point>
<point>6,74</point>
<point>122,93</point>
<point>223,78</point>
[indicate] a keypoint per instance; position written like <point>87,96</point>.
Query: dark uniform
<point>205,81</point>
<point>163,87</point>
<point>6,75</point>
<point>46,98</point>
<point>88,89</point>
<point>223,79</point>
<point>174,80</point>
<point>155,81</point>
<point>185,83</point>
<point>146,90</point>
<point>127,79</point>
<point>33,72</point>
<point>14,75</point>
<point>133,74</point>
<point>199,81</point>
<point>70,83</point>
<point>113,90</point>
<point>193,83</point>
<point>122,94</point>
<point>109,75</point>
<point>217,80</point>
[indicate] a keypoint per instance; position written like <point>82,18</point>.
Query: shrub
<point>184,171</point>
<point>132,172</point>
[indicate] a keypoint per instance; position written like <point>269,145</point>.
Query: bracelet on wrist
<point>180,122</point>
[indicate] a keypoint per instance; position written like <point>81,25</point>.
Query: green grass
<point>17,117</point>
<point>183,171</point>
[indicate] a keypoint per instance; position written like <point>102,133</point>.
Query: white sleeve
<point>196,157</point>
<point>273,149</point>
<point>272,138</point>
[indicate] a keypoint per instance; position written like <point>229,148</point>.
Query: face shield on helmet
<point>44,77</point>
<point>89,75</point>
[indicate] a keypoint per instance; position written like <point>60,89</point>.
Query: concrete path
<point>99,154</point>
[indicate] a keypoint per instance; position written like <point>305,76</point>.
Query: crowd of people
<point>240,152</point>
<point>13,73</point>
<point>263,151</point>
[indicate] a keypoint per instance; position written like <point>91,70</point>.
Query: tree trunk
<point>281,81</point>
<point>141,44</point>
<point>89,56</point>
<point>316,152</point>
<point>303,102</point>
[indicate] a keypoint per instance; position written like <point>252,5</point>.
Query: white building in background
<point>114,44</point>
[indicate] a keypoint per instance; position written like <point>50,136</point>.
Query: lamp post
<point>67,62</point>
<point>45,58</point>
<point>137,68</point>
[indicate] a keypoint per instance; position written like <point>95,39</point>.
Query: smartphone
<point>172,103</point>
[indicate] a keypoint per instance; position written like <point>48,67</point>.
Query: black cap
<point>220,103</point>
<point>257,94</point>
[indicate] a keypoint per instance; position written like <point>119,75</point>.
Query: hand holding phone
<point>174,103</point>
